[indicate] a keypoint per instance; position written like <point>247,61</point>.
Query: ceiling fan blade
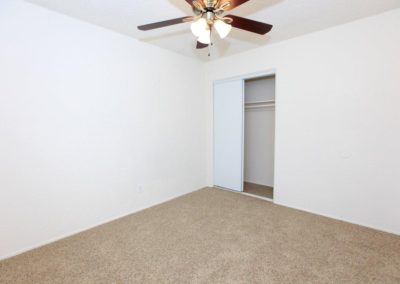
<point>200,45</point>
<point>164,24</point>
<point>190,2</point>
<point>234,4</point>
<point>197,5</point>
<point>250,25</point>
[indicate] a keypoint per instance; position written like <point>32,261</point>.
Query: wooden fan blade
<point>163,24</point>
<point>190,2</point>
<point>198,6</point>
<point>234,4</point>
<point>250,25</point>
<point>201,45</point>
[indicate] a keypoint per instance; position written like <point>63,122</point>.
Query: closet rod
<point>261,102</point>
<point>260,106</point>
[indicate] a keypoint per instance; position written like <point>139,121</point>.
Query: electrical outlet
<point>139,188</point>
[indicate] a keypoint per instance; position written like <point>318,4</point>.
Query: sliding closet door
<point>228,134</point>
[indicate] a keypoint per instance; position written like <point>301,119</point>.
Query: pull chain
<point>211,43</point>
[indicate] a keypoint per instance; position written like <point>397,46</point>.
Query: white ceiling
<point>290,18</point>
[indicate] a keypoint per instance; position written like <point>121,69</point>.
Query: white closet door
<point>228,134</point>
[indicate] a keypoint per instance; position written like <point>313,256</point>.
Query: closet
<point>244,135</point>
<point>259,136</point>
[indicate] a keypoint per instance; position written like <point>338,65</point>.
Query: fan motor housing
<point>210,16</point>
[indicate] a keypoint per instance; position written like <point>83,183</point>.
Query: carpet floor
<point>214,236</point>
<point>259,190</point>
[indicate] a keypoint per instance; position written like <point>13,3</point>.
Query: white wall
<point>87,116</point>
<point>83,111</point>
<point>259,129</point>
<point>337,119</point>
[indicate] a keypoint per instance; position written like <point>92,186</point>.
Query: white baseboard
<point>313,212</point>
<point>339,219</point>
<point>41,244</point>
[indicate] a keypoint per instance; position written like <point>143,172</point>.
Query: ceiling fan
<point>209,16</point>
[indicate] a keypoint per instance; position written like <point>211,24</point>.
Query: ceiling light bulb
<point>223,29</point>
<point>199,27</point>
<point>205,38</point>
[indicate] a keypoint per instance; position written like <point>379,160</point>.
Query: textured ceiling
<point>290,18</point>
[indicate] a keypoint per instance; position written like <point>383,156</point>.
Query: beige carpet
<point>214,236</point>
<point>259,190</point>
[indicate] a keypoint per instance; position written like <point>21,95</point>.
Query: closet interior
<point>259,136</point>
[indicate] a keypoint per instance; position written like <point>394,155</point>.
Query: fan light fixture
<point>222,28</point>
<point>202,29</point>
<point>205,38</point>
<point>209,15</point>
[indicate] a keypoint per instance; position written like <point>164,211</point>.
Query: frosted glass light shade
<point>205,38</point>
<point>199,27</point>
<point>222,28</point>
